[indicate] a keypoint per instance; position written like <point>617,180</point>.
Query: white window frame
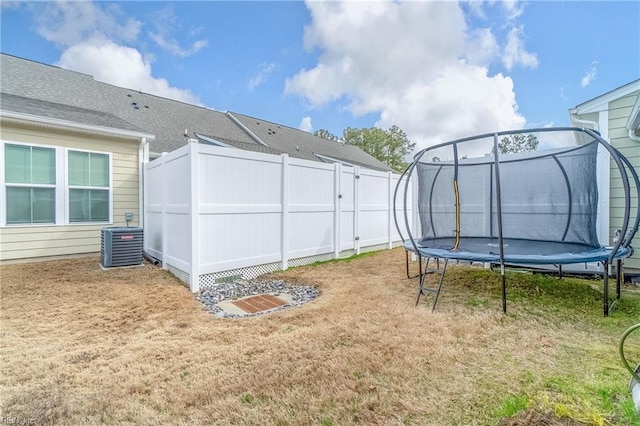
<point>67,187</point>
<point>62,209</point>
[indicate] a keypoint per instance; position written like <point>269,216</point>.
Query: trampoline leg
<point>406,252</point>
<point>423,274</point>
<point>504,294</point>
<point>559,272</point>
<point>444,270</point>
<point>618,277</point>
<point>606,288</point>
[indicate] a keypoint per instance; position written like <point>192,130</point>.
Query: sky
<point>438,70</point>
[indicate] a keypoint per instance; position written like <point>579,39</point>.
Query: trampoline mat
<point>482,249</point>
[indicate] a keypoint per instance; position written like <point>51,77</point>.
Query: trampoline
<point>517,197</point>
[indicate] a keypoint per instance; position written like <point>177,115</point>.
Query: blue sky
<point>439,70</point>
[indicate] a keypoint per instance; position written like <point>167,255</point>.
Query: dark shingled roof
<point>306,145</point>
<point>49,91</point>
<point>58,111</point>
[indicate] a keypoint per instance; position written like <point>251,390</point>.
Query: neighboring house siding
<point>33,241</point>
<point>619,112</point>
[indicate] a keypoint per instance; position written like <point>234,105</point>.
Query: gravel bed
<point>216,293</point>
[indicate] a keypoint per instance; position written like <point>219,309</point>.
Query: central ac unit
<point>121,246</point>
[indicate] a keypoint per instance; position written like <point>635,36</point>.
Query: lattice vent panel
<point>301,261</point>
<point>247,273</point>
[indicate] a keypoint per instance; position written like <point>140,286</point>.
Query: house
<point>616,115</point>
<point>73,151</point>
<point>66,172</point>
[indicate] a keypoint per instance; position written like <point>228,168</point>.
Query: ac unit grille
<point>121,246</point>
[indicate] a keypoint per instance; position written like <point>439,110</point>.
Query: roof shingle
<point>50,91</point>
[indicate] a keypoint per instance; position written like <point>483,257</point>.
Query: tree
<point>325,134</point>
<point>518,143</point>
<point>388,146</point>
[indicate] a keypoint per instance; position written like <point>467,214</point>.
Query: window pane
<point>43,161</point>
<point>26,164</point>
<point>44,205</point>
<point>30,205</point>
<point>17,163</point>
<point>78,205</point>
<point>87,205</point>
<point>88,169</point>
<point>18,205</point>
<point>99,166</point>
<point>79,168</point>
<point>99,206</point>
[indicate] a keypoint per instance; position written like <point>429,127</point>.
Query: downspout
<point>143,158</point>
<point>633,136</point>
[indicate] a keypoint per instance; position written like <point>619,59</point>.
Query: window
<point>55,186</point>
<point>88,187</point>
<point>30,178</point>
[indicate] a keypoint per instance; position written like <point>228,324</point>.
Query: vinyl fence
<point>215,214</point>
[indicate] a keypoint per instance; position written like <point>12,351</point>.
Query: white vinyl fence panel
<point>216,213</point>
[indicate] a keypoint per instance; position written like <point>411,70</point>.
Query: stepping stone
<point>255,304</point>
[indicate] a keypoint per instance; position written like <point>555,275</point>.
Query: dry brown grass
<point>132,346</point>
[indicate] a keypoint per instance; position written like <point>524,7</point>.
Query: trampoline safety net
<point>546,196</point>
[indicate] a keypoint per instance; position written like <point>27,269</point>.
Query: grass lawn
<point>80,345</point>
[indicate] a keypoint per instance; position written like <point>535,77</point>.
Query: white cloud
<point>589,75</point>
<point>264,70</point>
<point>462,102</point>
<point>417,64</point>
<point>166,23</point>
<point>10,4</point>
<point>513,9</point>
<point>92,36</point>
<point>482,47</point>
<point>121,66</point>
<point>69,23</point>
<point>172,46</point>
<point>305,125</point>
<point>515,52</point>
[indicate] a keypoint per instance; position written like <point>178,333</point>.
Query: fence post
<point>337,209</point>
<point>194,206</point>
<point>390,209</point>
<point>356,209</point>
<point>163,189</point>
<point>284,247</point>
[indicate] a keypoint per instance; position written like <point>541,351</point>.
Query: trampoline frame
<point>620,249</point>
